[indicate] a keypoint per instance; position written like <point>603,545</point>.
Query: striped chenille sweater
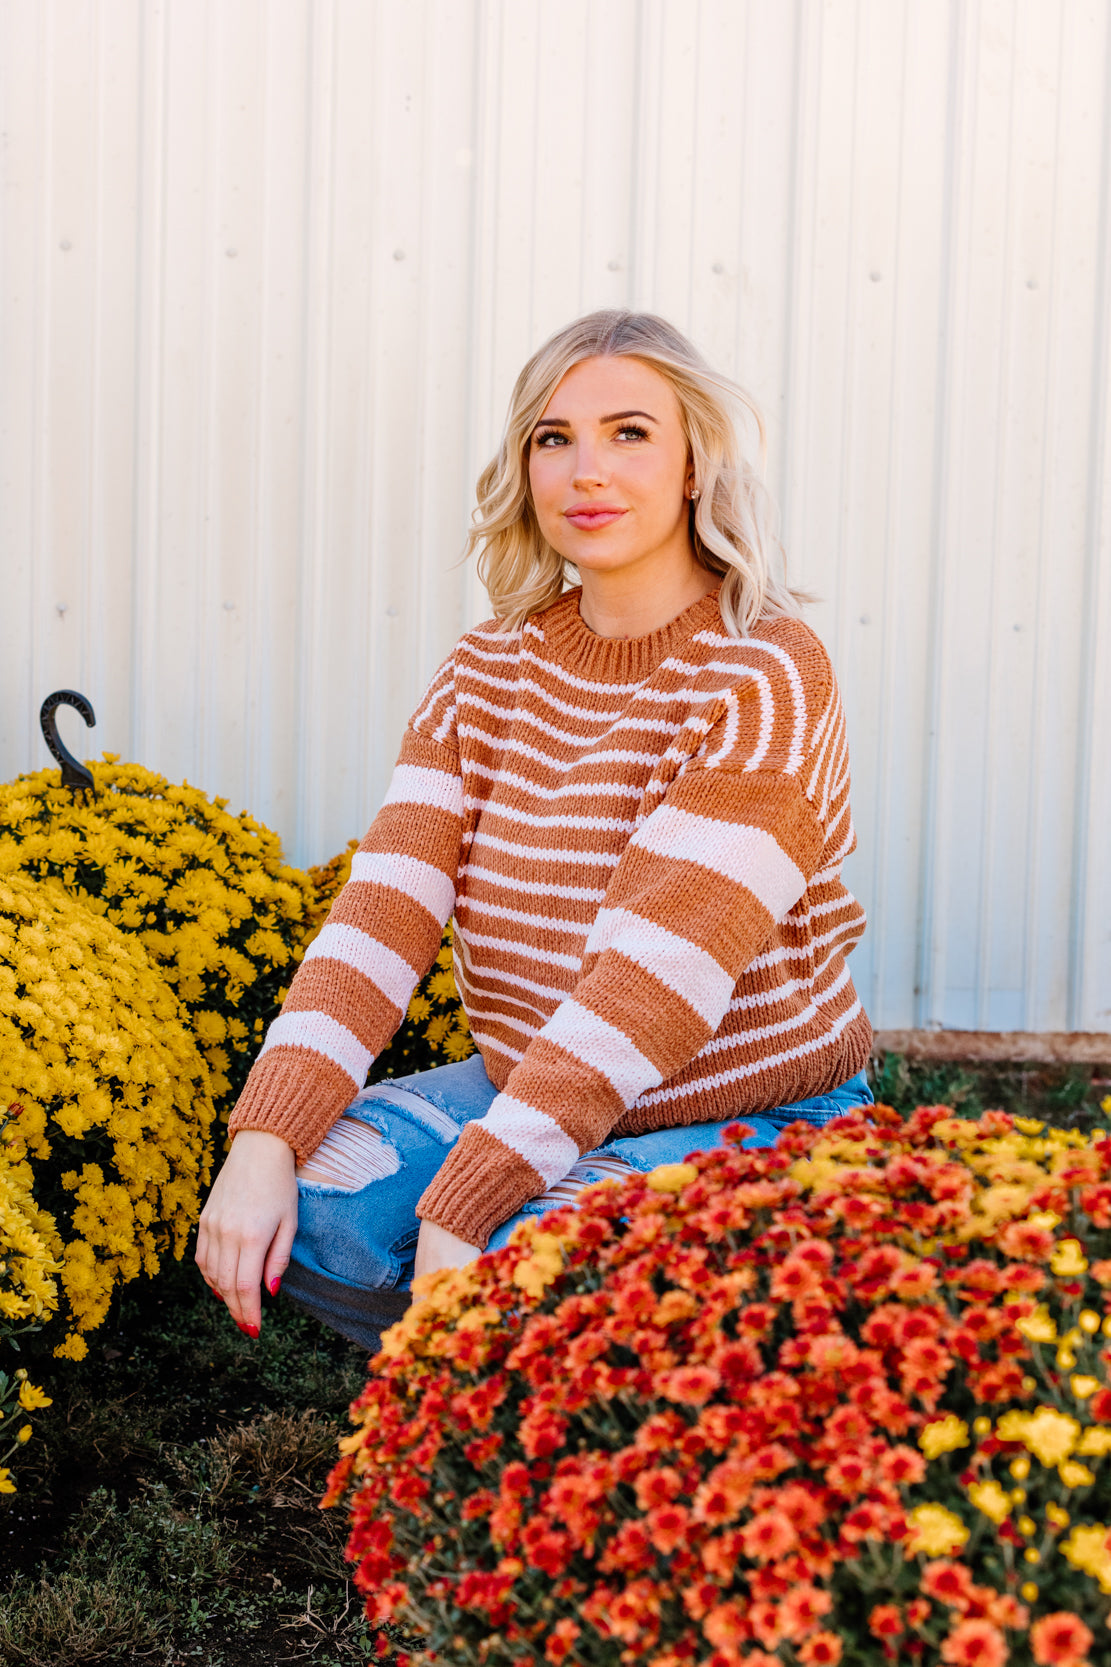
<point>641,843</point>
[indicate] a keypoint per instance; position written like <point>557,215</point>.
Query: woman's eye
<point>632,430</point>
<point>547,438</point>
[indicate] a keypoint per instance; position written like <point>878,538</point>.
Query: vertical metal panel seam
<point>150,251</point>
<point>315,345</point>
<point>987,865</point>
<point>882,815</point>
<point>1032,1017</point>
<point>930,958</point>
<point>255,748</point>
<point>1099,492</point>
<point>41,407</point>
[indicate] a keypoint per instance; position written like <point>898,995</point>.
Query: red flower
<point>690,1386</point>
<point>1100,1405</point>
<point>1060,1640</point>
<point>949,1583</point>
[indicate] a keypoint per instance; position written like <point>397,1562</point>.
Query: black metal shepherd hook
<point>74,774</point>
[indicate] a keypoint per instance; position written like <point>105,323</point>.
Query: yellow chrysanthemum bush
<point>218,912</point>
<point>113,1137</point>
<point>29,1265</point>
<point>842,1400</point>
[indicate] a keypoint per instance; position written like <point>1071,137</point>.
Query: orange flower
<point>802,1609</point>
<point>668,1527</point>
<point>1060,1640</point>
<point>768,1535</point>
<point>975,1644</point>
<point>950,1583</point>
<point>821,1650</point>
<point>561,1640</point>
<point>725,1626</point>
<point>657,1487</point>
<point>885,1621</point>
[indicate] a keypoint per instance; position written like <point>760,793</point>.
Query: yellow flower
<point>943,1435</point>
<point>1075,1475</point>
<point>671,1177</point>
<point>1049,1435</point>
<point>1068,1260</point>
<point>1089,1321</point>
<point>1095,1441</point>
<point>24,1434</point>
<point>1028,1592</point>
<point>1086,1549</point>
<point>1058,1517</point>
<point>537,1271</point>
<point>30,1397</point>
<point>935,1531</point>
<point>1083,1386</point>
<point>1020,1468</point>
<point>1038,1327</point>
<point>6,1483</point>
<point>990,1498</point>
<point>1027,1526</point>
<point>1029,1125</point>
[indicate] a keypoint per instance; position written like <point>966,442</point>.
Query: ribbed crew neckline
<point>618,659</point>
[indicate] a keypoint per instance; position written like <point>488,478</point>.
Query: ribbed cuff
<point>480,1184</point>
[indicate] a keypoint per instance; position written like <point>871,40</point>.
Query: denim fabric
<point>352,1258</point>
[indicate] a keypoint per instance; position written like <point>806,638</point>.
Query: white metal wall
<point>268,268</point>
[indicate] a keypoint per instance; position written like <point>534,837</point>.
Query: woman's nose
<point>589,469</point>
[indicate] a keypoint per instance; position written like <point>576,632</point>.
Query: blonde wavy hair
<point>733,520</point>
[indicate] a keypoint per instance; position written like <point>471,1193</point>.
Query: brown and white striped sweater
<point>641,843</point>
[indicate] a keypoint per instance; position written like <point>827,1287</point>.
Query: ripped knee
<point>351,1155</point>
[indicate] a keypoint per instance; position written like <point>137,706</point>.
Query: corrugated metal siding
<point>268,269</point>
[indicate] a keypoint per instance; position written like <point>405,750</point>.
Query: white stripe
<point>422,881</point>
<point>787,952</point>
<point>543,923</point>
<point>533,1135</point>
<point>760,1033</point>
<point>543,853</point>
<point>413,784</point>
<point>720,1078</point>
<point>436,690</point>
<point>509,743</point>
<point>383,966</point>
<point>516,714</point>
<point>603,824</point>
<point>552,992</point>
<point>750,856</point>
<point>685,968</point>
<point>506,882</point>
<point>444,728</point>
<point>603,1047</point>
<point>322,1034</point>
<point>563,790</point>
<point>510,945</point>
<point>484,1039</point>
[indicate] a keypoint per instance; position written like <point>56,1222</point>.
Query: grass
<point>166,1511</point>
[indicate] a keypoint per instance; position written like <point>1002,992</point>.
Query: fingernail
<point>216,1293</point>
<point>275,1286</point>
<point>250,1331</point>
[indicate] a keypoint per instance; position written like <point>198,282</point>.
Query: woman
<point>633,798</point>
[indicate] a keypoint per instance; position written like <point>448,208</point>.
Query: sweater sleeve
<point>351,990</point>
<point>694,899</point>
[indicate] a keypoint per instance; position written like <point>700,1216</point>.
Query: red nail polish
<point>252,1332</point>
<point>216,1293</point>
<point>275,1286</point>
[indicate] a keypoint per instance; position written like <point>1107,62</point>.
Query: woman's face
<point>610,471</point>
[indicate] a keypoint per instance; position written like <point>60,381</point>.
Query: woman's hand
<point>248,1224</point>
<point>437,1248</point>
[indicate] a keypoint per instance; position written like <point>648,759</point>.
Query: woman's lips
<point>603,515</point>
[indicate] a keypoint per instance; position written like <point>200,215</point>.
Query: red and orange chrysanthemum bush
<point>844,1399</point>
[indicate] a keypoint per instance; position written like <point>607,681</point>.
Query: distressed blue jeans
<point>352,1259</point>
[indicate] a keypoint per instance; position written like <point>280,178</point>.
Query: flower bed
<point>841,1400</point>
<point>112,1136</point>
<point>207,894</point>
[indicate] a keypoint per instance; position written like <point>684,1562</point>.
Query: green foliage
<point>1067,1095</point>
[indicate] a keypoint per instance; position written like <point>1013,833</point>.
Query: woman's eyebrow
<point>614,417</point>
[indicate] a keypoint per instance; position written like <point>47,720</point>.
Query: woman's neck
<point>621,606</point>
